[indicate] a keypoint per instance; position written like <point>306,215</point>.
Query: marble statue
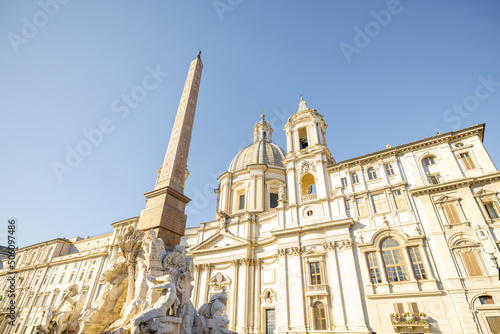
<point>165,305</point>
<point>145,289</point>
<point>65,317</point>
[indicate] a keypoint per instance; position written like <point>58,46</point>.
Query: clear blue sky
<point>61,73</point>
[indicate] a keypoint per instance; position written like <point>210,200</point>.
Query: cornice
<point>308,228</point>
<point>466,182</point>
<point>417,145</point>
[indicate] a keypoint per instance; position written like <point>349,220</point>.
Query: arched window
<point>389,169</point>
<point>91,273</point>
<point>394,261</point>
<point>429,161</point>
<point>62,278</point>
<point>355,178</point>
<point>308,184</point>
<point>372,174</point>
<point>486,300</point>
<point>53,279</point>
<point>303,141</point>
<point>319,316</point>
<point>72,276</point>
<point>82,275</point>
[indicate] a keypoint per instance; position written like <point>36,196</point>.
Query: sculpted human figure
<point>65,315</point>
<point>215,308</point>
<point>165,285</point>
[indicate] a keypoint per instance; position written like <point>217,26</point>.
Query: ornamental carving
<point>339,244</point>
<point>219,282</point>
<point>307,167</point>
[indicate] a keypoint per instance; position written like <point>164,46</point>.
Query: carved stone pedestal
<point>163,325</point>
<point>217,326</point>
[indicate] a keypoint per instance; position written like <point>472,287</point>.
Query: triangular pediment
<point>484,192</point>
<point>221,239</point>
<point>312,252</point>
<point>446,198</point>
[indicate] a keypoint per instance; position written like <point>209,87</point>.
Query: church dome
<point>261,151</point>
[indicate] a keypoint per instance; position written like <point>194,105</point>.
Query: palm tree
<point>130,243</point>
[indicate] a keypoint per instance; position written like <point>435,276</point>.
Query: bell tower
<point>307,156</point>
<point>164,212</point>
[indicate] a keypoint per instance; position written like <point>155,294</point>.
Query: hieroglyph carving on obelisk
<point>173,171</point>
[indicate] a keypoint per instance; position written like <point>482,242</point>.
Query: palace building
<point>402,240</point>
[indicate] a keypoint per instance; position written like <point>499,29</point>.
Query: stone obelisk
<point>164,212</point>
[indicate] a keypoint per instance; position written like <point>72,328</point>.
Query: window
<point>304,143</point>
<point>344,182</point>
<point>54,298</point>
<point>53,279</point>
<point>241,203</point>
<point>44,299</point>
<point>379,203</point>
<point>389,169</point>
<point>451,213</point>
<point>491,210</point>
<point>459,144</point>
<point>72,276</point>
<point>398,308</point>
<point>355,179</point>
<point>471,263</point>
<point>82,275</point>
<point>418,263</point>
<point>374,268</point>
<point>36,301</point>
<point>486,300</point>
<point>394,261</point>
<point>315,273</point>
<point>467,161</point>
<point>435,178</point>
<point>400,199</point>
<point>372,174</point>
<point>413,308</point>
<point>273,200</point>
<point>361,204</point>
<point>319,316</point>
<point>348,205</point>
<point>429,161</point>
<point>45,279</point>
<point>91,273</point>
<point>62,277</point>
<point>28,301</point>
<point>308,184</point>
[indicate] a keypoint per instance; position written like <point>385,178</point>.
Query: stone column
<point>234,305</point>
<point>243,297</point>
<point>283,324</point>
<point>297,285</point>
<point>350,283</point>
<point>337,297</point>
<point>258,292</point>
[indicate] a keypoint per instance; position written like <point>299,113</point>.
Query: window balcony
<point>317,290</point>
<point>402,322</point>
<point>308,198</point>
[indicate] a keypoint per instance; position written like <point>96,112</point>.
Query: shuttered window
<point>467,161</point>
<point>451,212</point>
<point>472,264</point>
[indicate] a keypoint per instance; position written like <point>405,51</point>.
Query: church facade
<point>401,240</point>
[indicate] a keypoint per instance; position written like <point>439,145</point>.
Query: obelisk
<point>164,212</point>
